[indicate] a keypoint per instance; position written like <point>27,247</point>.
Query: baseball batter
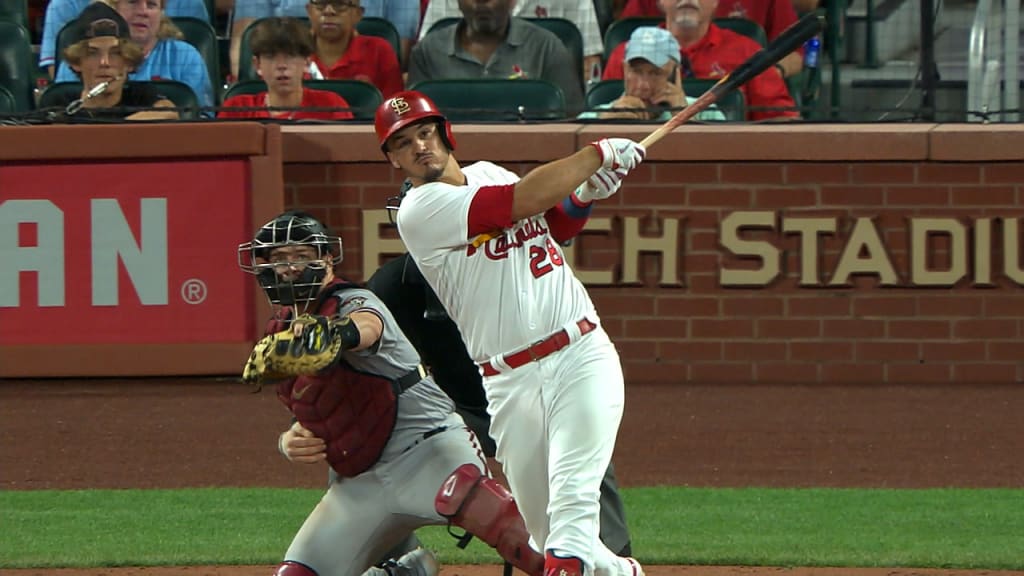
<point>401,287</point>
<point>400,457</point>
<point>487,242</point>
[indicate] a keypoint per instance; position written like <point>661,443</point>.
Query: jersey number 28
<point>544,259</point>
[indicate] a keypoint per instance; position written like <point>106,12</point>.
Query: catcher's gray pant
<point>360,519</point>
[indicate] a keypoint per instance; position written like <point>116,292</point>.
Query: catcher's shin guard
<point>486,509</point>
<point>290,568</point>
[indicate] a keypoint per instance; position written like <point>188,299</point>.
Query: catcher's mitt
<point>317,346</point>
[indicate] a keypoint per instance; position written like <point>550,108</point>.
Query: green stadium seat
<point>7,103</point>
<point>181,94</point>
<point>362,97</point>
<point>382,28</point>
<point>15,11</point>
<point>17,64</point>
<point>495,99</point>
<point>203,37</point>
<point>731,104</point>
<point>444,23</point>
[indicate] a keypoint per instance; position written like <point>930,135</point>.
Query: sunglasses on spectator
<point>339,5</point>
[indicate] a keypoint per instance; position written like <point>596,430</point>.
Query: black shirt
<point>134,95</point>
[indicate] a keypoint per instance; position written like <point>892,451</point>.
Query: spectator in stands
<point>652,88</point>
<point>712,52</point>
<point>165,56</point>
<point>340,51</point>
<point>60,12</point>
<point>281,48</point>
<point>101,51</point>
<point>489,43</point>
<point>404,14</point>
<point>579,12</point>
<point>773,15</point>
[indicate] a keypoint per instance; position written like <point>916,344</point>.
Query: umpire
<point>426,324</point>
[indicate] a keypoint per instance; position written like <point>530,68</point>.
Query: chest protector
<point>353,412</point>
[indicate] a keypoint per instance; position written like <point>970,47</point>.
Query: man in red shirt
<point>707,51</point>
<point>773,15</point>
<point>342,53</point>
<point>281,49</point>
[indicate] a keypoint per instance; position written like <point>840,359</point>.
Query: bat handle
<point>656,135</point>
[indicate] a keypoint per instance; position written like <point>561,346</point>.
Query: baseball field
<point>790,456</point>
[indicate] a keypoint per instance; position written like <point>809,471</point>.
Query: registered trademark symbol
<point>193,291</point>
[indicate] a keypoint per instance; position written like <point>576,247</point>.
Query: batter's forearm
<point>549,184</point>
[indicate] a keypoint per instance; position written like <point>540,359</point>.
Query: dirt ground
<point>170,433</point>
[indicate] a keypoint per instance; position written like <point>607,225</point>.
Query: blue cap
<point>656,45</point>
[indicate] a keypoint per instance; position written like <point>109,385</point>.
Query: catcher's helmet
<point>403,109</point>
<point>293,228</point>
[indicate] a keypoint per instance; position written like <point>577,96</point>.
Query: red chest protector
<point>353,412</point>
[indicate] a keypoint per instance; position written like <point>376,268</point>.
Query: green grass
<point>950,528</point>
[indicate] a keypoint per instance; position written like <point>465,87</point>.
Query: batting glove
<point>603,184</point>
<point>619,153</point>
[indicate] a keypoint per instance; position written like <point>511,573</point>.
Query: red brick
<point>729,373</point>
<point>990,328</point>
<point>985,373</point>
<point>382,173</point>
<point>938,306</point>
<point>637,350</point>
<point>858,373</point>
<point>703,220</point>
<point>767,173</point>
<point>754,350</point>
<point>852,195</point>
<point>703,242</point>
<point>918,329</point>
<point>971,351</point>
<point>917,196</point>
<point>621,305</point>
<point>882,173</point>
<point>697,263</point>
<point>885,306</point>
<point>918,373</point>
<point>776,373</point>
<point>708,328</point>
<point>686,174</point>
<point>882,351</point>
<point>1002,306</point>
<point>985,196</point>
<point>652,373</point>
<point>817,173</point>
<point>656,328</point>
<point>752,306</point>
<point>690,350</point>
<point>946,173</point>
<point>703,284</point>
<point>723,197</point>
<point>1012,351</point>
<point>785,197</point>
<point>1003,173</point>
<point>644,173</point>
<point>318,196</point>
<point>835,304</point>
<point>689,306</point>
<point>821,351</point>
<point>305,173</point>
<point>788,328</point>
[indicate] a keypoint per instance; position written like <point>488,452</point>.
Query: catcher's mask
<point>292,228</point>
<point>404,109</point>
<point>395,202</point>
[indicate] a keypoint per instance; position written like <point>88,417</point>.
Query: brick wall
<point>797,326</point>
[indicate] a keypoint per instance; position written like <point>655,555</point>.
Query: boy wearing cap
<point>652,88</point>
<point>103,53</point>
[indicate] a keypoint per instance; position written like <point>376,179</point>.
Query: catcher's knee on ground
<point>487,510</point>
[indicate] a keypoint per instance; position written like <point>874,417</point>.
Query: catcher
<point>400,457</point>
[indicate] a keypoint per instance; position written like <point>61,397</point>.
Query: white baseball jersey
<point>505,290</point>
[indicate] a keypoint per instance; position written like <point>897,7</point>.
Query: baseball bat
<point>790,39</point>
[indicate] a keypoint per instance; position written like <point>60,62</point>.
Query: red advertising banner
<point>124,252</point>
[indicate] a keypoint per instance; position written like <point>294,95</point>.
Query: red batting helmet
<point>405,108</point>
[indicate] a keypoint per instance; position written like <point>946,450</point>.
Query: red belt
<point>550,345</point>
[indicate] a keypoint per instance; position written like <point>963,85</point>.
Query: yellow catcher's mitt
<point>284,354</point>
